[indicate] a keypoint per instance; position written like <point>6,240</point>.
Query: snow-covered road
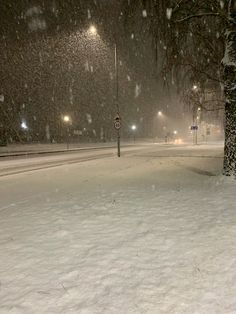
<point>151,232</point>
<point>23,163</point>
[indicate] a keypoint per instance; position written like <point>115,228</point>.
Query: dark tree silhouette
<point>190,38</point>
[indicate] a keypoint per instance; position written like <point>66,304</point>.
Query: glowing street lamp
<point>175,132</point>
<point>67,120</point>
<point>134,128</point>
<point>24,125</point>
<point>160,114</point>
<point>93,30</point>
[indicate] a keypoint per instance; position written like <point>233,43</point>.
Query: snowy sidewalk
<point>149,233</point>
<point>21,149</point>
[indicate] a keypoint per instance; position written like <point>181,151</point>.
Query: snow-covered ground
<point>151,232</point>
<point>22,148</point>
<point>37,147</point>
<point>13,165</point>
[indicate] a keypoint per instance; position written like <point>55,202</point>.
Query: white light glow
<point>133,127</point>
<point>93,30</point>
<point>66,118</point>
<point>24,125</point>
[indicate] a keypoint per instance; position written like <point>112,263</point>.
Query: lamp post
<point>134,128</point>
<point>196,113</point>
<point>67,121</point>
<point>93,31</point>
<point>160,120</point>
<point>117,97</point>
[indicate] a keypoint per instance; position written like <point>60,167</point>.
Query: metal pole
<point>196,134</point>
<point>193,130</point>
<point>67,142</point>
<point>117,98</point>
<point>196,128</point>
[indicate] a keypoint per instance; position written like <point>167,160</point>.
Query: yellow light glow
<point>66,118</point>
<point>93,30</point>
<point>178,141</point>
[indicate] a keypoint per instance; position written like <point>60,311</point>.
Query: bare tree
<point>192,36</point>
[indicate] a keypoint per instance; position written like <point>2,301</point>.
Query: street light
<point>175,132</point>
<point>196,89</point>
<point>134,128</point>
<point>24,125</point>
<point>158,127</point>
<point>93,30</point>
<point>67,120</point>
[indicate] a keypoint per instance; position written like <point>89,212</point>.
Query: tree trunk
<point>229,63</point>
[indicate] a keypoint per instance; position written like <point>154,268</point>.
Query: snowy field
<point>151,232</point>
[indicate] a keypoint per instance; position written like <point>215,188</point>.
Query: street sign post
<point>117,123</point>
<point>117,126</point>
<point>194,128</point>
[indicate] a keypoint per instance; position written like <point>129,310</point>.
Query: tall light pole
<point>133,127</point>
<point>67,121</point>
<point>117,123</point>
<point>117,98</point>
<point>160,120</point>
<point>195,89</point>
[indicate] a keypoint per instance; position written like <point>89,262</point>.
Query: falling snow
<point>169,13</point>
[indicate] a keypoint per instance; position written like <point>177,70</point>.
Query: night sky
<point>52,65</point>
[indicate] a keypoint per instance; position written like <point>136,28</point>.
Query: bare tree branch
<point>197,16</point>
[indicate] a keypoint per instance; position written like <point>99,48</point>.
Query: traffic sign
<point>194,127</point>
<point>117,123</point>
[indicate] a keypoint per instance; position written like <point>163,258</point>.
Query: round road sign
<point>117,124</point>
